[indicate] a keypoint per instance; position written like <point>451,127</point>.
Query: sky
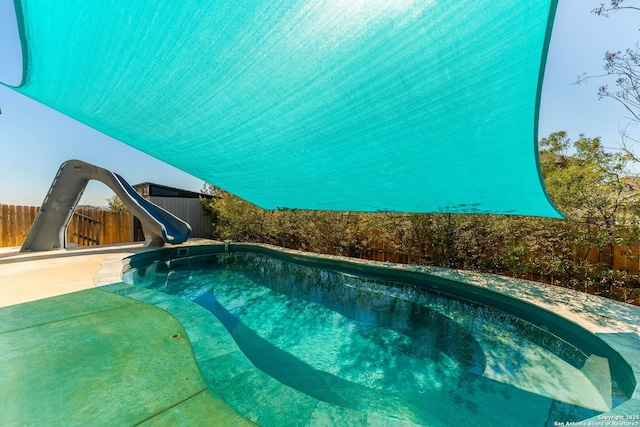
<point>35,140</point>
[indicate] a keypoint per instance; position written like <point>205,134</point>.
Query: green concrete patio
<point>72,354</point>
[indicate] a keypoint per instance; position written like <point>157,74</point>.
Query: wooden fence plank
<point>114,232</point>
<point>109,226</point>
<point>21,227</point>
<point>12,226</point>
<point>3,226</point>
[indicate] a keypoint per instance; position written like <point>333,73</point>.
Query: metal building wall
<point>188,210</point>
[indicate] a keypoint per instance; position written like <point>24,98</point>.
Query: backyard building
<point>182,203</point>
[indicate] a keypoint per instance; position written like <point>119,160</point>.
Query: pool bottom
<point>338,397</point>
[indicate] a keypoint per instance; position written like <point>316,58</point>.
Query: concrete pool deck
<point>75,354</point>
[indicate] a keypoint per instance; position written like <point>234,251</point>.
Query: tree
<point>232,217</point>
<point>624,68</point>
<point>593,189</point>
<point>116,204</point>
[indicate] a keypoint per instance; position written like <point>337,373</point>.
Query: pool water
<point>386,347</point>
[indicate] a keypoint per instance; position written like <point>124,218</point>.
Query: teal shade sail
<point>359,105</point>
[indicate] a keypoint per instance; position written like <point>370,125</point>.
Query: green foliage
<point>593,189</point>
<point>116,204</point>
<point>590,186</point>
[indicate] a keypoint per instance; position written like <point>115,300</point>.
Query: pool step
<point>518,364</point>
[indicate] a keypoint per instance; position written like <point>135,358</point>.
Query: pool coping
<point>615,323</point>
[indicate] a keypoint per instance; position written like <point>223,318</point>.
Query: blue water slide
<point>48,231</point>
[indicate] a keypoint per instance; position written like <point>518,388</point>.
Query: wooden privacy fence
<point>15,222</point>
<point>618,258</point>
<point>87,227</point>
<point>90,227</point>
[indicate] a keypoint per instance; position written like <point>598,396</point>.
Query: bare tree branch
<point>616,5</point>
<point>628,144</point>
<point>625,67</point>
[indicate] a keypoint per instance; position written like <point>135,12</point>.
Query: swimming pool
<point>405,346</point>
